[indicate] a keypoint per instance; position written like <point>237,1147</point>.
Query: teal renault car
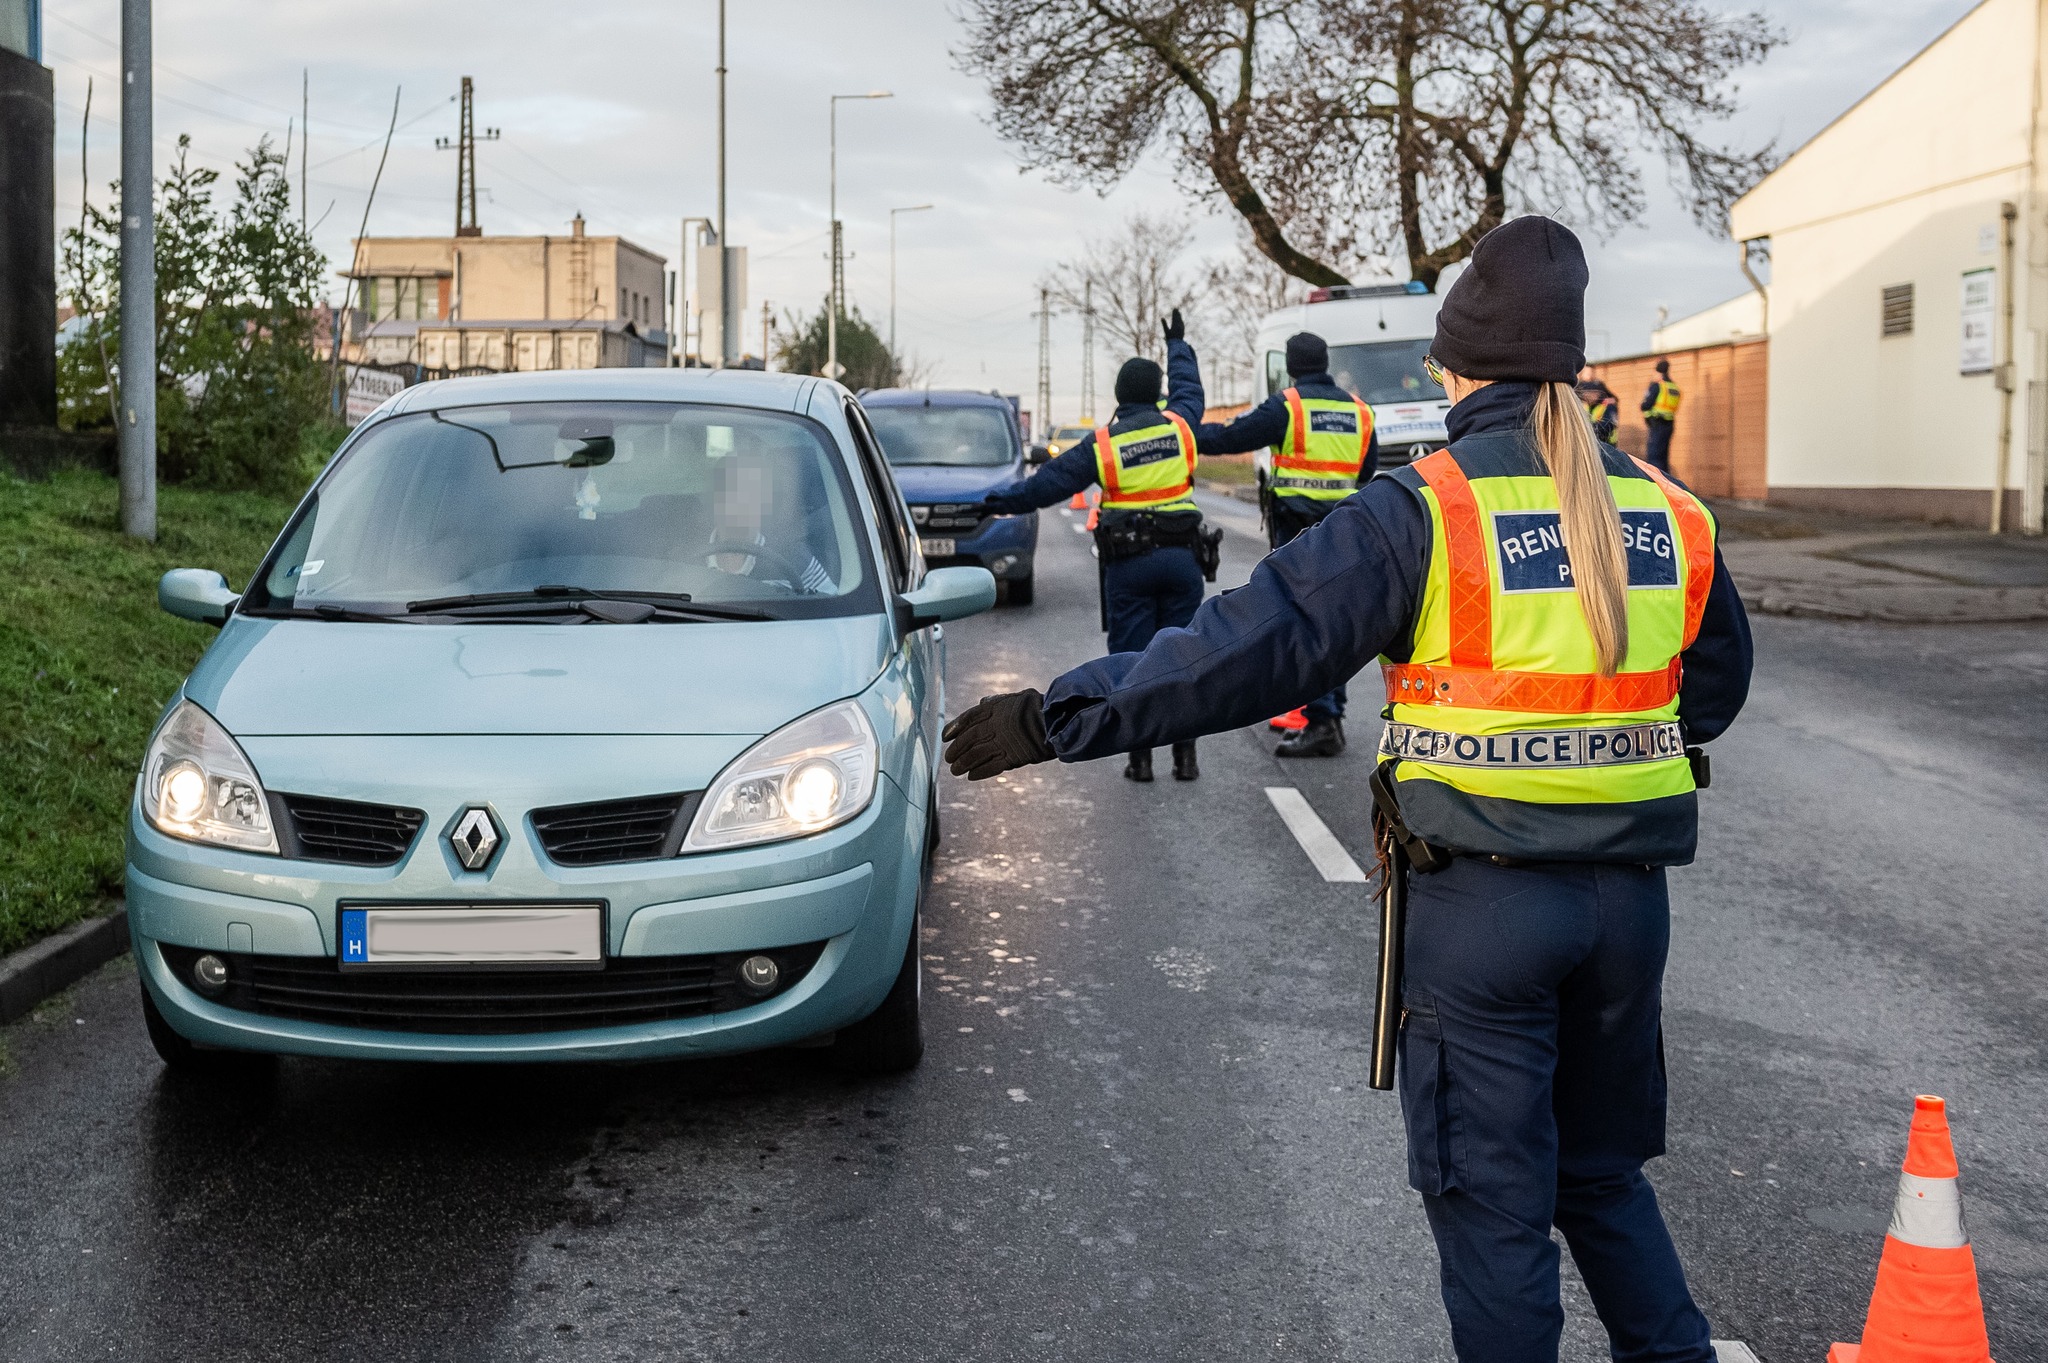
<point>579,715</point>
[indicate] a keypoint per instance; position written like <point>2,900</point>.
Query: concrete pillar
<point>28,243</point>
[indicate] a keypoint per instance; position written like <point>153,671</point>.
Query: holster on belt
<point>1426,857</point>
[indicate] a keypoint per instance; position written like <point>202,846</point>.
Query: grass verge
<point>86,664</point>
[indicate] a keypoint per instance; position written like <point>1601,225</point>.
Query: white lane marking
<point>1316,839</point>
<point>1734,1351</point>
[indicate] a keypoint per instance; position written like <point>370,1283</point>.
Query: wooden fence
<point>1718,448</point>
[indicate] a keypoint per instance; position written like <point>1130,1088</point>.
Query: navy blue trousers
<point>1159,589</point>
<point>1282,525</point>
<point>1659,451</point>
<point>1532,1081</point>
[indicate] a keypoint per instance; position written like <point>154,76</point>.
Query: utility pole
<point>836,304</point>
<point>465,162</point>
<point>767,325</point>
<point>1088,351</point>
<point>728,306</point>
<point>138,277</point>
<point>1044,417</point>
<point>914,208</point>
<point>693,243</point>
<point>305,137</point>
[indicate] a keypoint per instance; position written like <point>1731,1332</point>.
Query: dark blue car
<point>949,448</point>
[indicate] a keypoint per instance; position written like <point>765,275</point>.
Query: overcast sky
<point>608,107</point>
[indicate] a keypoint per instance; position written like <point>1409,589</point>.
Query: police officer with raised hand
<point>1150,532</point>
<point>1324,449</point>
<point>1561,628</point>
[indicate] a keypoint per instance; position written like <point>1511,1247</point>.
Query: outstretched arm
<point>1315,611</point>
<point>1050,484</point>
<point>1262,426</point>
<point>1184,395</point>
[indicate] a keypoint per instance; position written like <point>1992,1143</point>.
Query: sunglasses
<point>1433,369</point>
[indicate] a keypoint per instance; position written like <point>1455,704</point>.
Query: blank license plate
<point>938,548</point>
<point>518,935</point>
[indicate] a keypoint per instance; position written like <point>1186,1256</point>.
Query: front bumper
<point>853,888</point>
<point>1005,545</point>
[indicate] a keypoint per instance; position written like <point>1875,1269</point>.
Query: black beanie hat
<point>1519,309</point>
<point>1138,381</point>
<point>1306,354</point>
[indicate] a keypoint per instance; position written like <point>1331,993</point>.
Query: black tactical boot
<point>1139,768</point>
<point>1322,738</point>
<point>1184,768</point>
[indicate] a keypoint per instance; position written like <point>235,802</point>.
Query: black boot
<point>1184,767</point>
<point>1139,768</point>
<point>1322,738</point>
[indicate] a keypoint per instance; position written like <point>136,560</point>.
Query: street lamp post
<point>914,208</point>
<point>838,294</point>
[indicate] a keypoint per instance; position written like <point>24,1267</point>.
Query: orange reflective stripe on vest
<point>1109,468</point>
<point>1296,456</point>
<point>1470,680</point>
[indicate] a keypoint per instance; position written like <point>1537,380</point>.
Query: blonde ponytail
<point>1590,522</point>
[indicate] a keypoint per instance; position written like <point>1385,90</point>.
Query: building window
<point>402,297</point>
<point>1898,310</point>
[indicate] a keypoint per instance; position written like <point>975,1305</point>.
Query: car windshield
<point>721,505</point>
<point>973,437</point>
<point>1385,371</point>
<point>1067,436</point>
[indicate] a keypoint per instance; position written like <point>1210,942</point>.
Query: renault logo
<point>474,838</point>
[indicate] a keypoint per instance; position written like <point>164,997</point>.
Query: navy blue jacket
<point>1266,425</point>
<point>1075,470</point>
<point>1322,607</point>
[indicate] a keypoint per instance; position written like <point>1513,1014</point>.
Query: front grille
<point>317,829</point>
<point>479,1002</point>
<point>962,520</point>
<point>646,828</point>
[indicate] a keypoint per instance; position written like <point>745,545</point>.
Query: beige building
<point>1908,291</point>
<point>569,302</point>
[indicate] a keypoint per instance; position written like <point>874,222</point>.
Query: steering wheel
<point>792,573</point>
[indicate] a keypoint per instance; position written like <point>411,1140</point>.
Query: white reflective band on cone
<point>1929,1213</point>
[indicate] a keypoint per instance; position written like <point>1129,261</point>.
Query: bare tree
<point>1337,128</point>
<point>1132,279</point>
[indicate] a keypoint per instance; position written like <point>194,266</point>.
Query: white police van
<point>1377,334</point>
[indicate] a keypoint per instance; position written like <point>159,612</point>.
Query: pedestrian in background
<point>1660,414</point>
<point>1603,408</point>
<point>1324,449</point>
<point>1536,749</point>
<point>1149,535</point>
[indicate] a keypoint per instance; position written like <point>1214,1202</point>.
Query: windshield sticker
<point>1532,558</point>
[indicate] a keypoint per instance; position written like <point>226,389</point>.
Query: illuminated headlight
<point>813,774</point>
<point>197,784</point>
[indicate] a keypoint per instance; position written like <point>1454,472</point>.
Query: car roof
<point>725,387</point>
<point>932,397</point>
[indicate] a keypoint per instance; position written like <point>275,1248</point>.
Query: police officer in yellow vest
<point>1660,414</point>
<point>1558,630</point>
<point>1150,532</point>
<point>1324,449</point>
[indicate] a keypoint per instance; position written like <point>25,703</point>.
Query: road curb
<point>57,962</point>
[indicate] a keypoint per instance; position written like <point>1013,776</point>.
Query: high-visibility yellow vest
<point>1665,408</point>
<point>1507,740</point>
<point>1599,410</point>
<point>1323,449</point>
<point>1148,468</point>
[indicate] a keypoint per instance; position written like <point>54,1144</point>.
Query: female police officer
<point>1562,628</point>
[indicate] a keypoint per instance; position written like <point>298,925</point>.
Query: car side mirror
<point>196,594</point>
<point>1037,454</point>
<point>948,594</point>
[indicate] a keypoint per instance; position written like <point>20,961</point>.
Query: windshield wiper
<point>331,613</point>
<point>676,605</point>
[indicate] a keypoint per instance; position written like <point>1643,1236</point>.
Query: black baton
<point>1386,1001</point>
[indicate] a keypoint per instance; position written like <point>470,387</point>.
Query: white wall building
<point>1908,292</point>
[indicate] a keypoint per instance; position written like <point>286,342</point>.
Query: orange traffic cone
<point>1292,722</point>
<point>1926,1308</point>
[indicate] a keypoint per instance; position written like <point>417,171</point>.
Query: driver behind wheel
<point>747,514</point>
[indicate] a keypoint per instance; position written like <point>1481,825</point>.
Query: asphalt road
<point>1141,1130</point>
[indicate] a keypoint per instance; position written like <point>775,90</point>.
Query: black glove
<point>1176,330</point>
<point>1000,733</point>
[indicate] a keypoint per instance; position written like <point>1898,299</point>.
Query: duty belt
<point>1657,741</point>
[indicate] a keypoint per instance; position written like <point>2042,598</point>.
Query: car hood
<point>304,677</point>
<point>949,483</point>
